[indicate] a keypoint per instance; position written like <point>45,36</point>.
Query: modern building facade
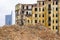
<point>8,19</point>
<point>46,12</point>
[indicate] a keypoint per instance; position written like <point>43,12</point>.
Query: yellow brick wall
<point>59,16</point>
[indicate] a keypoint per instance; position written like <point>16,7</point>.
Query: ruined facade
<point>46,12</point>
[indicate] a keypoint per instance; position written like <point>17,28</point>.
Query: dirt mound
<point>30,32</point>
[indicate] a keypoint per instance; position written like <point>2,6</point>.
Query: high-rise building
<point>46,12</point>
<point>8,19</point>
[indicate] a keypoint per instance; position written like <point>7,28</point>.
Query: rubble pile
<point>27,32</point>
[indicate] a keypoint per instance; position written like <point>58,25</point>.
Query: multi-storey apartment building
<point>46,12</point>
<point>52,14</point>
<point>22,12</point>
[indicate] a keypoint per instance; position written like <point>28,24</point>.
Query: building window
<point>27,7</point>
<point>23,12</point>
<point>49,24</point>
<point>22,16</point>
<point>35,9</point>
<point>39,21</point>
<point>56,21</point>
<point>49,12</point>
<point>43,15</point>
<point>26,13</point>
<point>49,7</point>
<point>31,21</point>
<point>49,0</point>
<point>35,21</point>
<point>56,15</point>
<point>43,9</point>
<point>56,27</point>
<point>56,2</point>
<point>43,3</point>
<point>53,2</point>
<point>53,27</point>
<point>53,15</point>
<point>39,9</point>
<point>56,9</point>
<point>35,15</point>
<point>49,19</point>
<point>28,21</point>
<point>43,21</point>
<point>39,15</point>
<point>53,21</point>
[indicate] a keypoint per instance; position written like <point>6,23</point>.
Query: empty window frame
<point>28,21</point>
<point>56,8</point>
<point>43,21</point>
<point>35,9</point>
<point>49,0</point>
<point>53,27</point>
<point>56,27</point>
<point>35,21</point>
<point>49,19</point>
<point>26,13</point>
<point>35,15</point>
<point>56,2</point>
<point>53,21</point>
<point>27,7</point>
<point>43,3</point>
<point>39,15</point>
<point>31,21</point>
<point>39,9</point>
<point>53,15</point>
<point>49,12</point>
<point>49,7</point>
<point>39,21</point>
<point>23,12</point>
<point>56,21</point>
<point>53,2</point>
<point>43,15</point>
<point>49,24</point>
<point>43,9</point>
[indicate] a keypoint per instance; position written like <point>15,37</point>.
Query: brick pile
<point>27,32</point>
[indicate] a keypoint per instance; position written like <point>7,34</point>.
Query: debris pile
<point>30,32</point>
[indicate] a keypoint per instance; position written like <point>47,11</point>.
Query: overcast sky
<point>6,6</point>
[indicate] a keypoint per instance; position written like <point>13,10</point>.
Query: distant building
<point>8,19</point>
